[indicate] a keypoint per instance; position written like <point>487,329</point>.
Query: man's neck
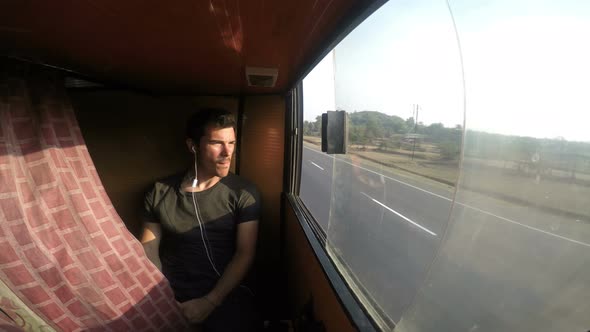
<point>204,182</point>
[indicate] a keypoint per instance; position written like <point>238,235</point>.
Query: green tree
<point>449,150</point>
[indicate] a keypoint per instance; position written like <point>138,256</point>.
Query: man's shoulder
<point>245,196</point>
<point>238,183</point>
<point>160,191</point>
<point>169,181</point>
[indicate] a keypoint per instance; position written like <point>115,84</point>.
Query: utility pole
<point>416,109</point>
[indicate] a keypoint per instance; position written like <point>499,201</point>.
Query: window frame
<point>316,236</point>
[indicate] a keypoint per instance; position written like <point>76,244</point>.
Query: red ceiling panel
<point>184,47</point>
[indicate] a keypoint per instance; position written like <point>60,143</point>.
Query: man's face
<point>216,150</point>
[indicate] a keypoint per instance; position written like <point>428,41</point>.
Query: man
<point>200,228</point>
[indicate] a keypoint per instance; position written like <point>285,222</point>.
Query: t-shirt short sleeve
<point>148,214</point>
<point>249,205</point>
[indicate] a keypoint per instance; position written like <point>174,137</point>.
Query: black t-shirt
<point>222,207</point>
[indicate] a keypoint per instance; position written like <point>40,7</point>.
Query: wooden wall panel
<point>261,161</point>
<point>135,139</point>
<point>306,280</point>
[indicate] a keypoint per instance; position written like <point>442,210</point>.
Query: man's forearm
<point>152,252</point>
<point>232,276</point>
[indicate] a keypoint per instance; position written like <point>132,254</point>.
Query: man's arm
<point>150,239</point>
<point>240,263</point>
<point>197,310</point>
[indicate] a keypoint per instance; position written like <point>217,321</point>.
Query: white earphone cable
<point>202,227</point>
<point>202,224</point>
<point>203,234</point>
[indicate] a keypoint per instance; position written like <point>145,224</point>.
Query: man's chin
<point>223,172</point>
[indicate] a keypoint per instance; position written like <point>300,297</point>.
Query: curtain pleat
<point>65,254</point>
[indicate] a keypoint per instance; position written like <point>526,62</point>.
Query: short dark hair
<point>199,121</point>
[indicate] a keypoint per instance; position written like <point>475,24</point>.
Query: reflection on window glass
<point>316,167</point>
<point>504,245</point>
<point>398,76</point>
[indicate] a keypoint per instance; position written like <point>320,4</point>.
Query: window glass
<point>398,76</point>
<point>516,256</point>
<point>385,204</point>
<point>316,167</point>
<point>497,90</point>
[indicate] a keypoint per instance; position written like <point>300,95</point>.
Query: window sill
<point>351,306</point>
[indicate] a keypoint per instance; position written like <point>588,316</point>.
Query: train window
<point>384,206</point>
<point>496,90</point>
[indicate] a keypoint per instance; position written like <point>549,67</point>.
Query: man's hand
<point>197,310</point>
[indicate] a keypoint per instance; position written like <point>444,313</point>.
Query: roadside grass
<point>423,164</point>
<point>496,179</point>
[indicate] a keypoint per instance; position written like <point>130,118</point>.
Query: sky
<point>526,66</point>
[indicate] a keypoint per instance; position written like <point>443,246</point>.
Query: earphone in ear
<point>195,181</point>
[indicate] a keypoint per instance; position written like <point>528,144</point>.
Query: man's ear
<point>192,147</point>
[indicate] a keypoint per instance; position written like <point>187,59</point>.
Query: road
<point>498,260</point>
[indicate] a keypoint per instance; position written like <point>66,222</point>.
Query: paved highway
<point>501,266</point>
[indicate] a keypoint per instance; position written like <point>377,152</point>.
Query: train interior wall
<point>135,139</point>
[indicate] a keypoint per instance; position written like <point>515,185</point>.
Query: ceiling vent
<point>262,77</point>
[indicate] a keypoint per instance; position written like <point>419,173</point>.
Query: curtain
<point>67,261</point>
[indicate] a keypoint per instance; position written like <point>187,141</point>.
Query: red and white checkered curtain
<point>67,261</point>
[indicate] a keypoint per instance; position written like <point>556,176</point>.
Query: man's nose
<point>226,150</point>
